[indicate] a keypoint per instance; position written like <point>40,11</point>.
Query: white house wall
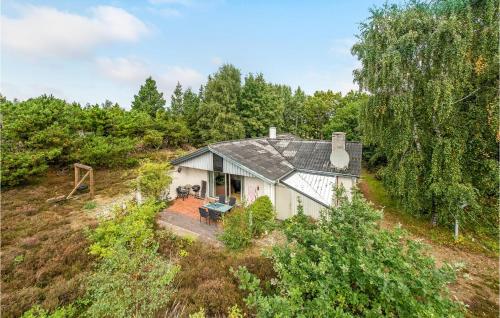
<point>253,188</point>
<point>202,162</point>
<point>229,167</point>
<point>286,203</point>
<point>187,175</point>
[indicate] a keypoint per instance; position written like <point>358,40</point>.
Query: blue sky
<point>90,51</point>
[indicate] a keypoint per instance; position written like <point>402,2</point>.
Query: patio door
<point>235,186</point>
<point>219,183</point>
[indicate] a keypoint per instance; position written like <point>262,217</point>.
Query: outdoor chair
<point>181,193</point>
<point>222,198</point>
<point>204,214</point>
<point>214,215</point>
<point>232,201</point>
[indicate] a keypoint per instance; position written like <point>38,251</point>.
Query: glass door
<point>235,186</point>
<point>220,183</point>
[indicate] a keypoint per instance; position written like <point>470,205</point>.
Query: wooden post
<point>77,175</point>
<point>91,183</point>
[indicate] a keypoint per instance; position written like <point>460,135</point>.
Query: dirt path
<point>477,284</point>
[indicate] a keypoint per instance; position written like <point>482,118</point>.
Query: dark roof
<point>314,155</point>
<point>257,155</point>
<point>275,158</point>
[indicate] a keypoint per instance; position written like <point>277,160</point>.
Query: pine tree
<point>176,103</point>
<point>149,99</point>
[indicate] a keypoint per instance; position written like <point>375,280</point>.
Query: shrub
<point>243,224</point>
<point>90,205</point>
<point>132,228</point>
<point>18,167</point>
<point>153,139</point>
<point>154,178</point>
<point>130,283</point>
<point>343,265</point>
<point>263,215</point>
<point>237,232</point>
<point>61,312</point>
<point>105,151</point>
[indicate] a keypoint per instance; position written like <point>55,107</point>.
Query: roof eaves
<point>188,156</point>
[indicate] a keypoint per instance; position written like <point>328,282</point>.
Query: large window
<point>218,163</point>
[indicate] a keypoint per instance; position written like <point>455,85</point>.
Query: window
<point>218,163</point>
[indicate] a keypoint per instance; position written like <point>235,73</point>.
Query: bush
<point>130,283</point>
<point>18,167</point>
<point>61,312</point>
<point>243,224</point>
<point>237,232</point>
<point>132,279</point>
<point>344,265</point>
<point>132,228</point>
<point>154,178</point>
<point>263,215</point>
<point>105,151</point>
<point>153,139</point>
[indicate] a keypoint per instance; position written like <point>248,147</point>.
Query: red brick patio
<point>189,206</point>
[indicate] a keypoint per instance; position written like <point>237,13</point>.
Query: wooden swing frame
<point>78,181</point>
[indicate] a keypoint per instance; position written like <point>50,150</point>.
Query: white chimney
<point>272,132</point>
<point>339,158</point>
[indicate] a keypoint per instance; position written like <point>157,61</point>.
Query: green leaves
<point>344,265</point>
<point>427,68</point>
<point>149,100</point>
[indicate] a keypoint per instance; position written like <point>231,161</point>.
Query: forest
<point>427,115</point>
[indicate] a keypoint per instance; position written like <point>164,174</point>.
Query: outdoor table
<point>221,207</point>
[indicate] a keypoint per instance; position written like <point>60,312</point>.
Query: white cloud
<point>188,77</point>
<point>48,32</point>
<point>217,61</point>
<point>123,69</point>
<point>178,2</point>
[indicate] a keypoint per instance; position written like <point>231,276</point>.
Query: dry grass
<point>477,286</point>
<point>44,248</point>
<point>205,279</point>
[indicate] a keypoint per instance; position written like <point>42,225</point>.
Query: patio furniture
<point>222,198</point>
<point>188,188</point>
<point>203,189</point>
<point>181,193</point>
<point>232,201</point>
<point>214,215</point>
<point>221,207</point>
<point>204,214</point>
<point>196,188</point>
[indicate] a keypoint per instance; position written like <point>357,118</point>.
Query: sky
<point>90,51</point>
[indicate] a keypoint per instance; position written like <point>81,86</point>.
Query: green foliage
<point>262,214</point>
<point>154,178</point>
<point>132,279</point>
<point>431,69</point>
<point>149,100</point>
<point>346,117</point>
<point>345,266</point>
<point>237,232</point>
<point>260,106</point>
<point>61,312</point>
<point>131,228</point>
<point>102,151</point>
<point>130,283</point>
<point>199,314</point>
<point>90,205</point>
<point>153,139</point>
<point>243,224</point>
<point>317,111</point>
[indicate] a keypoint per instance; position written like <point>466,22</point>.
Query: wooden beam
<point>78,184</point>
<point>77,175</point>
<point>91,184</point>
<point>79,165</point>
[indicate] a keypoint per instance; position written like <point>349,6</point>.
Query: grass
<point>393,214</point>
<point>205,280</point>
<point>90,205</point>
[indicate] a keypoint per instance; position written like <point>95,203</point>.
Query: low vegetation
<point>245,223</point>
<point>344,265</point>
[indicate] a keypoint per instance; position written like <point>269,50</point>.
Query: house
<point>282,167</point>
